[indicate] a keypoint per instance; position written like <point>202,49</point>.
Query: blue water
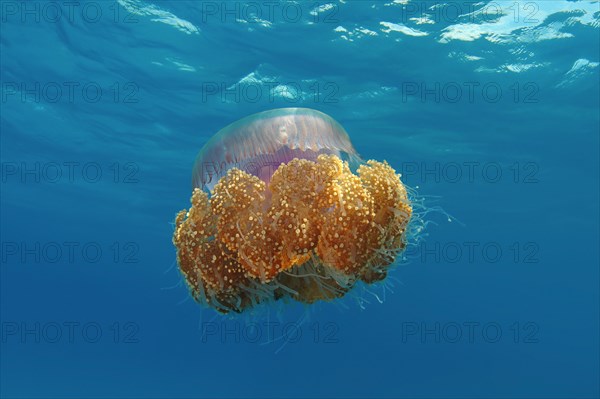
<point>489,110</point>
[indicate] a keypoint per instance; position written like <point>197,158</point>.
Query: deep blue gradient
<point>396,75</point>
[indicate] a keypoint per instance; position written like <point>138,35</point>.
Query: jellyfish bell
<point>277,213</point>
<point>258,144</point>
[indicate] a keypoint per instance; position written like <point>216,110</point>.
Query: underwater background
<point>489,110</point>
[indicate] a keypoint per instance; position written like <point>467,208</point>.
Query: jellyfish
<point>282,207</point>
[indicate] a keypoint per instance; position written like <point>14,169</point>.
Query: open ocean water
<point>490,110</point>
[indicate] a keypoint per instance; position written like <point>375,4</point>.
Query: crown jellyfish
<point>277,212</point>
